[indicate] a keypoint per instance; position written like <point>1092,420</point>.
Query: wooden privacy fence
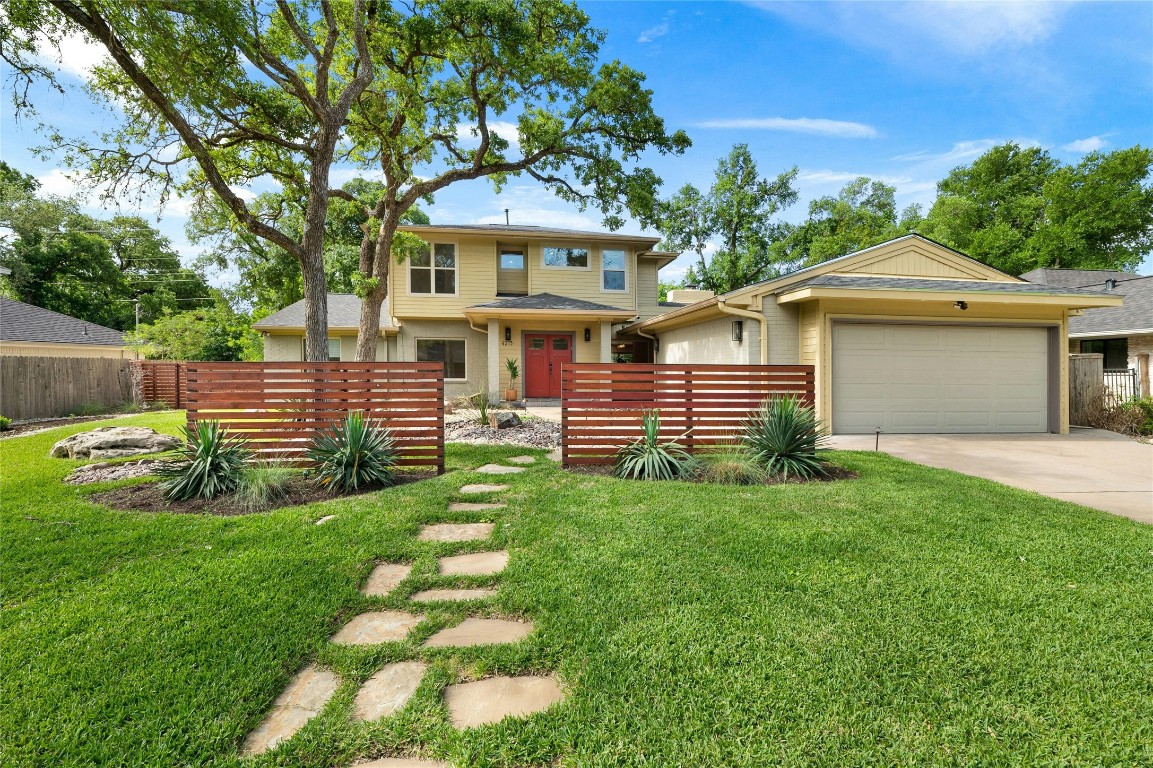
<point>44,387</point>
<point>279,407</point>
<point>161,381</point>
<point>602,403</point>
<point>1086,386</point>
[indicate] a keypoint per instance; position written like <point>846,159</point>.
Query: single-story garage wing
<point>908,336</point>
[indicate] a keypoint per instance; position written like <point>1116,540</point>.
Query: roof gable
<point>921,258</point>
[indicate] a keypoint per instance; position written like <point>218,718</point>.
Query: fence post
<point>1086,384</point>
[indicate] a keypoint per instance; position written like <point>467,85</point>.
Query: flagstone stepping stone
<point>434,595</point>
<point>388,690</point>
<point>522,459</point>
<point>384,578</point>
<point>498,469</point>
<point>456,531</point>
<point>403,762</point>
<point>376,627</point>
<point>492,700</point>
<point>301,701</point>
<point>475,564</point>
<point>482,488</point>
<point>469,506</point>
<point>325,519</point>
<point>480,632</point>
<point>554,455</point>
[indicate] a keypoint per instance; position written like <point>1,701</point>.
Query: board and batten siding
<point>807,326</point>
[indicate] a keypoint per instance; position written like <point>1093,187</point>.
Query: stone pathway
<point>475,564</point>
<point>390,689</point>
<point>472,632</point>
<point>492,700</point>
<point>456,531</point>
<point>376,627</point>
<point>301,701</point>
<point>483,488</point>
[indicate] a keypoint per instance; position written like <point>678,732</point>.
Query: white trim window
<point>614,270</point>
<point>333,349</point>
<point>451,352</point>
<point>558,257</point>
<point>433,271</point>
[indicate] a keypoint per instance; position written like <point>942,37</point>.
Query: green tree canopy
<point>862,214</point>
<point>215,332</point>
<point>67,261</point>
<point>1018,209</point>
<point>737,215</point>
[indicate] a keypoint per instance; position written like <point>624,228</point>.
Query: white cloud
<point>961,152</point>
<point>652,33</point>
<point>1091,144</point>
<point>960,27</point>
<point>466,132</point>
<point>818,126</point>
<point>76,55</point>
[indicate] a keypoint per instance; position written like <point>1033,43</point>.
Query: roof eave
<point>1070,301</point>
<point>585,314</point>
<point>1111,333</point>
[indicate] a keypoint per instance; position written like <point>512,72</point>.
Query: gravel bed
<point>104,471</point>
<point>534,433</point>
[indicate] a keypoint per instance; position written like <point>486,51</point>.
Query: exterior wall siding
<point>33,349</point>
<point>648,289</point>
<point>583,351</point>
<point>784,332</point>
<point>807,333</point>
<point>289,347</point>
<point>475,349</point>
<point>711,342</point>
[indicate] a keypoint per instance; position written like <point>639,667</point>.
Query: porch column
<point>606,341</point>
<point>493,360</point>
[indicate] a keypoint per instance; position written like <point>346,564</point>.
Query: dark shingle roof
<point>1076,278</point>
<point>24,322</point>
<point>343,312</point>
<point>548,301</point>
<point>1136,314</point>
<point>930,284</point>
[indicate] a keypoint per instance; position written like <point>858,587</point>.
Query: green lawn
<point>912,617</point>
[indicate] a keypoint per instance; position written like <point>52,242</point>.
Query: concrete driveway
<point>1088,466</point>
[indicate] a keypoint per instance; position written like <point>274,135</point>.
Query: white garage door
<point>937,378</point>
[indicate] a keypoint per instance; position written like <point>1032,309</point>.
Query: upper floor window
<point>433,271</point>
<point>613,270</point>
<point>573,258</point>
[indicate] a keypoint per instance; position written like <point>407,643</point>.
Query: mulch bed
<point>148,497</point>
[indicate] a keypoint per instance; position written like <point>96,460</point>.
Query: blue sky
<point>898,91</point>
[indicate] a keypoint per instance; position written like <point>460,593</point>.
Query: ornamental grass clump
<point>784,436</point>
<point>727,464</point>
<point>207,465</point>
<point>649,459</point>
<point>355,453</point>
<point>263,485</point>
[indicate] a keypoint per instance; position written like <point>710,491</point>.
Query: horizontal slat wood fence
<point>602,403</point>
<point>161,381</point>
<point>46,387</point>
<point>279,407</point>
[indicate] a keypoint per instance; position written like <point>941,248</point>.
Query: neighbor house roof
<point>1135,316</point>
<point>524,230</point>
<point>24,322</point>
<point>548,301</point>
<point>343,315</point>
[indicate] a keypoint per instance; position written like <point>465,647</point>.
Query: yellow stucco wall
<point>34,349</point>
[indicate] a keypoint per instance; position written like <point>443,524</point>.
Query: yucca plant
<point>649,459</point>
<point>784,435</point>
<point>207,465</point>
<point>354,453</point>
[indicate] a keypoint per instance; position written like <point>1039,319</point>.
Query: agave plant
<point>649,459</point>
<point>354,453</point>
<point>785,434</point>
<point>208,464</point>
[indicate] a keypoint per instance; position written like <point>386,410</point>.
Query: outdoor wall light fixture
<point>588,334</point>
<point>508,334</point>
<point>738,330</point>
<point>961,305</point>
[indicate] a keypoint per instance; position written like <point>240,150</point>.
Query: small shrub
<point>784,435</point>
<point>208,464</point>
<point>5,423</point>
<point>354,453</point>
<point>649,459</point>
<point>264,484</point>
<point>1133,417</point>
<point>479,403</point>
<point>727,464</point>
<point>91,409</point>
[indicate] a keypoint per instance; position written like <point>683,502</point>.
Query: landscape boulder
<point>112,443</point>
<point>504,420</point>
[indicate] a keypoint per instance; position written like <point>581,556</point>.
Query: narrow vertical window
<point>613,270</point>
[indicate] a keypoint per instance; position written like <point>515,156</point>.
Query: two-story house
<point>482,294</point>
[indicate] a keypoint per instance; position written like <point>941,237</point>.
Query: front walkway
<point>1092,467</point>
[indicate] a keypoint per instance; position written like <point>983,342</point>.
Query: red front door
<point>543,355</point>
